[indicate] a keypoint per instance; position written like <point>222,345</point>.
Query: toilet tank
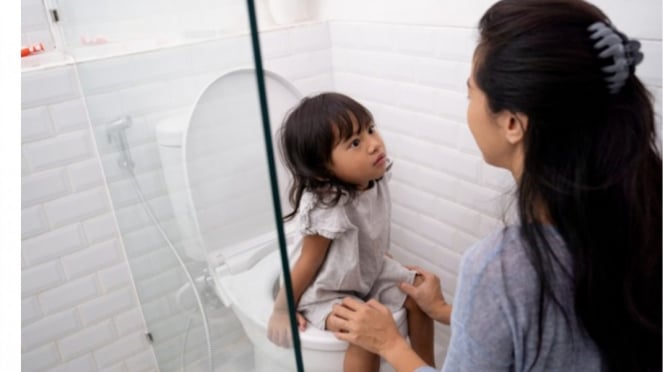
<point>170,137</point>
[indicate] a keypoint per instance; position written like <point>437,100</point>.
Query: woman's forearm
<point>442,313</point>
<point>402,357</point>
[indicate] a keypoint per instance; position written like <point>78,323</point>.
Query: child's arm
<point>313,253</point>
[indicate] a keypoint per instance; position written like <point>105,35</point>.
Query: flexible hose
<point>189,277</point>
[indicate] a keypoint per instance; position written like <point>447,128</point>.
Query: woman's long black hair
<point>591,161</point>
<point>307,138</point>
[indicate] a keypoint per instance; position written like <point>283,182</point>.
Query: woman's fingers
<point>351,303</point>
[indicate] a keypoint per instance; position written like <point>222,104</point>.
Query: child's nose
<point>375,145</point>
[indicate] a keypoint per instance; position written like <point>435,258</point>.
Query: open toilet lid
<point>225,160</point>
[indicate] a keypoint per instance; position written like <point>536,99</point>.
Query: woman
<point>576,286</point>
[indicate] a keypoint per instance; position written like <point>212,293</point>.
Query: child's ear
<point>514,126</point>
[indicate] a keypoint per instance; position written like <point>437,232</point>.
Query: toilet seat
<point>256,300</point>
<point>225,169</point>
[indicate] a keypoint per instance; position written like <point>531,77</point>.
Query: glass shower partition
<point>180,193</point>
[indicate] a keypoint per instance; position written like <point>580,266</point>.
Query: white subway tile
<point>48,86</point>
<point>451,75</point>
<point>142,241</point>
<point>274,44</point>
<point>451,105</point>
<point>92,259</point>
<point>76,207</point>
<point>122,348</point>
<point>115,277</point>
<point>106,306</point>
<point>26,169</point>
<point>33,222</point>
<point>456,215</point>
<point>308,38</point>
<point>435,129</point>
<point>38,278</point>
<point>38,359</point>
<point>482,199</point>
<point>377,36</point>
<point>213,55</point>
<point>69,116</point>
<point>43,186</point>
<point>649,71</point>
<point>313,85</point>
<point>158,65</point>
<point>53,244</point>
<point>488,225</point>
<point>395,67</point>
<point>35,124</point>
<point>160,285</point>
<point>33,16</point>
<point>68,295</point>
<point>345,35</point>
<point>131,218</point>
<point>82,363</point>
<point>414,40</point>
<point>153,263</point>
<point>462,241</point>
<point>119,367</point>
<point>130,321</point>
<point>404,216</point>
<point>85,174</point>
<point>30,310</point>
<point>100,228</point>
<point>413,198</point>
<point>466,142</point>
<point>49,328</point>
<point>417,97</point>
<point>456,44</point>
<point>105,74</point>
<point>59,150</point>
<point>87,340</point>
<point>142,362</point>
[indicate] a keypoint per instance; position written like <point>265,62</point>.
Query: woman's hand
<point>428,295</point>
<point>278,329</point>
<point>369,325</point>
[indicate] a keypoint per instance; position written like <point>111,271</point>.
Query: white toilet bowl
<point>251,292</point>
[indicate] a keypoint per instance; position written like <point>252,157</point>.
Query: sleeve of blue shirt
<point>480,331</point>
<point>481,337</point>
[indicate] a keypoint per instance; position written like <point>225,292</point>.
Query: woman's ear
<point>514,126</point>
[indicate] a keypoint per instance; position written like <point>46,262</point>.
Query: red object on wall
<point>35,48</point>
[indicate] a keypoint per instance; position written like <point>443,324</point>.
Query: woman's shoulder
<point>501,256</point>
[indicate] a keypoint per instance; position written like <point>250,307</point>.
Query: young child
<point>340,170</point>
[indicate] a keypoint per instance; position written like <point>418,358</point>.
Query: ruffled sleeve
<point>315,218</point>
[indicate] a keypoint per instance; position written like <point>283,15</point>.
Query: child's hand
<point>278,329</point>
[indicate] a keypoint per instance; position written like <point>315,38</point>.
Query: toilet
<point>218,183</point>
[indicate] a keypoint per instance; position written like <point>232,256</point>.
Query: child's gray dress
<point>356,264</point>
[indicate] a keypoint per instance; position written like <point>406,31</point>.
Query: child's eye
<point>354,143</point>
<point>371,129</point>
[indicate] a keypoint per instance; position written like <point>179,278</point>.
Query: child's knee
<point>410,304</point>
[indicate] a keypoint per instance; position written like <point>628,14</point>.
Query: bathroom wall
<point>408,62</point>
<point>34,24</point>
<point>79,305</point>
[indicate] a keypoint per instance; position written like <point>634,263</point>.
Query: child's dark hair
<point>591,159</point>
<point>307,138</point>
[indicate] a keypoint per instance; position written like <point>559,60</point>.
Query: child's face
<point>361,158</point>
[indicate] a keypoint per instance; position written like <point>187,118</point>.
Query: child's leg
<point>360,360</point>
<point>356,358</point>
<point>420,329</point>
